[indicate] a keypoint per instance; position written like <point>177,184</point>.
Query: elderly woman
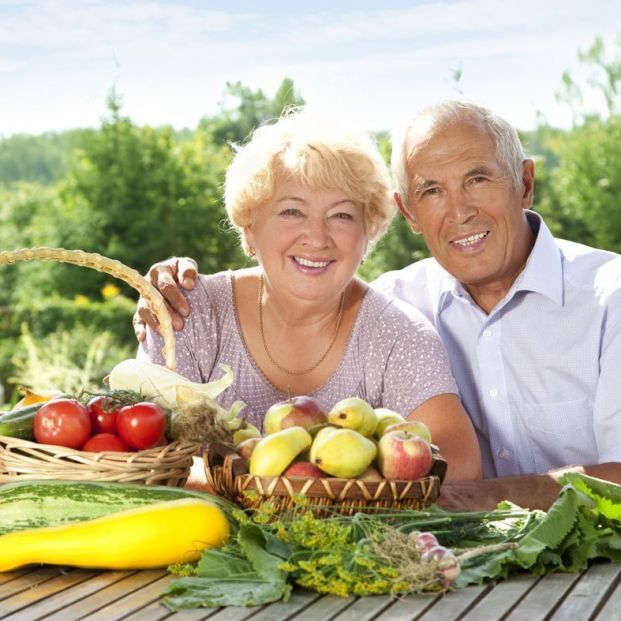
<point>308,201</point>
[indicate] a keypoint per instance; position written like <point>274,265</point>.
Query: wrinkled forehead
<point>436,145</point>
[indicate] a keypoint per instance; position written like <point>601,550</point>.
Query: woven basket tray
<point>227,473</point>
<point>164,465</point>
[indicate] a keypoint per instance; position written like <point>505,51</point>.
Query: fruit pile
<point>353,440</point>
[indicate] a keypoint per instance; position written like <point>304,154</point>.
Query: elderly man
<point>532,324</point>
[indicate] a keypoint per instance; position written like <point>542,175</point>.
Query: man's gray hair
<point>509,150</point>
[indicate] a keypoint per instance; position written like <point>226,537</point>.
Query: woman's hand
<point>168,277</point>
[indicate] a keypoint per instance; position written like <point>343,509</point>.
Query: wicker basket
<point>227,473</point>
<point>164,465</point>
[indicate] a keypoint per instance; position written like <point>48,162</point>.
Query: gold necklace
<point>323,357</point>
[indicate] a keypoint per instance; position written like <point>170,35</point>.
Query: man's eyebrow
<point>479,170</point>
<point>422,184</point>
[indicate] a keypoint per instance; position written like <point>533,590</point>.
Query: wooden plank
<point>27,580</point>
<point>454,604</point>
<point>365,608</point>
<point>544,597</point>
<point>59,601</point>
<point>108,592</point>
<point>155,611</point>
<point>11,575</point>
<point>594,587</point>
<point>33,598</point>
<point>406,608</point>
<point>325,607</point>
<point>611,606</point>
<point>501,599</point>
<point>152,585</point>
<point>300,600</point>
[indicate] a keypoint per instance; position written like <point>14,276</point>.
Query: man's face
<point>463,202</point>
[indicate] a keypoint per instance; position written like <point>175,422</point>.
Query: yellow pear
<point>354,413</point>
<point>323,434</point>
<point>343,453</point>
<point>275,452</point>
<point>386,417</point>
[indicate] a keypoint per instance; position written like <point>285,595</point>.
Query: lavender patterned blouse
<point>394,358</point>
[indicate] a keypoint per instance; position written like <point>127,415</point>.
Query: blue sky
<point>377,60</point>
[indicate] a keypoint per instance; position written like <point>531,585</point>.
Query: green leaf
<point>199,592</point>
<point>552,529</point>
<point>223,563</point>
<point>482,569</point>
<point>252,540</point>
<point>607,495</point>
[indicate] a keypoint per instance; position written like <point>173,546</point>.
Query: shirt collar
<point>542,272</point>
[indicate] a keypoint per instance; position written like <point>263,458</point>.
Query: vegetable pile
<point>144,407</point>
<point>376,553</point>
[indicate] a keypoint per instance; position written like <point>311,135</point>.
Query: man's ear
<point>407,214</point>
<point>528,183</point>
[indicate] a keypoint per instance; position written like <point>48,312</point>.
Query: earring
<point>251,253</point>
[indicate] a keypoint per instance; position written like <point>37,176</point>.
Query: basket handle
<point>114,268</point>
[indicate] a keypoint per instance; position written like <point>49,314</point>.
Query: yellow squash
<point>156,535</point>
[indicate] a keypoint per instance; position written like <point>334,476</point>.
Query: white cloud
<point>171,59</point>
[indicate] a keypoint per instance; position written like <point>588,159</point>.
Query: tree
<point>138,194</point>
<point>587,182</point>
<point>243,109</point>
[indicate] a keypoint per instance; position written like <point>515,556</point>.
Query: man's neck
<point>488,295</point>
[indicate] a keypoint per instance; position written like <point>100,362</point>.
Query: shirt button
<point>503,453</point>
<point>493,393</point>
<point>487,332</point>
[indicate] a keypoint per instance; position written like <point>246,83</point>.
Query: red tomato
<point>142,425</point>
<point>63,422</point>
<point>105,442</point>
<point>102,411</point>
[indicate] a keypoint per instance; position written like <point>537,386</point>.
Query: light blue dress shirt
<point>540,375</point>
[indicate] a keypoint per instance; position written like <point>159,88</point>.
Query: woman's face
<point>309,242</point>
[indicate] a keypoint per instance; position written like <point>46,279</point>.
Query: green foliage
<point>139,194</point>
<point>41,159</point>
<point>243,109</point>
<point>52,321</point>
<point>587,182</point>
<point>69,361</point>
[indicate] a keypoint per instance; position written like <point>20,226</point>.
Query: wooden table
<point>58,594</point>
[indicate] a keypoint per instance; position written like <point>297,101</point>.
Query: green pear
<point>386,417</point>
<point>354,413</point>
<point>343,453</point>
<point>244,433</point>
<point>273,454</point>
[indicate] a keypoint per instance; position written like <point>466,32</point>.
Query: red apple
<point>305,470</point>
<point>416,427</point>
<point>245,448</point>
<point>300,411</point>
<point>403,455</point>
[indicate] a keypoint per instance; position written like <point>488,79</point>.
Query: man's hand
<point>169,277</point>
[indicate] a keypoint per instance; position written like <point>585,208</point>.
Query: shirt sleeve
<point>196,345</point>
<point>607,403</point>
<point>416,364</point>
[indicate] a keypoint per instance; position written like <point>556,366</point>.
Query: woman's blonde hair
<point>319,154</point>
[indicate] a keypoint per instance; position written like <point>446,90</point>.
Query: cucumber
<point>36,504</point>
<point>19,423</point>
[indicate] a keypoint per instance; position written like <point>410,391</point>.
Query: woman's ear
<point>407,214</point>
<point>249,239</point>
